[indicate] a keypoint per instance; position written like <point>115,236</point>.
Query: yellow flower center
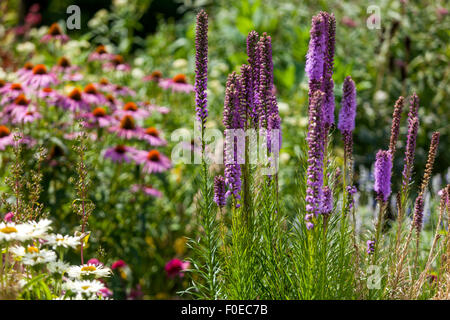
<point>85,287</point>
<point>88,268</point>
<point>8,230</point>
<point>32,250</point>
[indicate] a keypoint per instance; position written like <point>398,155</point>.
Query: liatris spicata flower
<point>219,191</point>
<point>418,213</point>
<point>328,84</point>
<point>265,80</point>
<point>327,200</point>
<point>383,167</point>
<point>430,161</point>
<point>413,127</point>
<point>347,114</point>
<point>315,158</point>
<point>316,52</point>
<point>395,128</point>
<point>232,120</point>
<point>254,63</point>
<point>201,67</point>
<point>370,246</point>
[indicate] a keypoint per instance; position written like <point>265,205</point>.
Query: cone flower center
<point>179,78</point>
<point>55,30</point>
<point>120,149</point>
<point>130,106</point>
<point>75,94</point>
<point>16,86</point>
<point>40,69</point>
<point>63,62</point>
<point>153,155</point>
<point>90,89</point>
<point>127,123</point>
<point>21,100</point>
<point>152,132</point>
<point>99,112</point>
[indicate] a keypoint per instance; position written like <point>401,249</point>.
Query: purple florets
<point>370,246</point>
<point>383,167</point>
<point>219,191</point>
<point>201,67</point>
<point>327,200</point>
<point>347,113</point>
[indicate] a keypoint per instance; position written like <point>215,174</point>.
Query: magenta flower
<point>152,136</point>
<point>383,167</point>
<point>92,96</point>
<point>131,109</point>
<point>24,72</point>
<point>155,76</point>
<point>8,217</point>
<point>74,102</point>
<point>370,246</point>
<point>201,68</point>
<point>177,84</point>
<point>126,128</point>
<point>11,91</point>
<point>105,86</point>
<point>120,90</point>
<point>97,118</point>
<point>20,104</point>
<point>40,78</point>
<point>176,267</point>
<point>219,191</point>
<point>100,54</point>
<point>25,115</point>
<point>116,64</point>
<point>148,190</point>
<point>153,107</point>
<point>118,264</point>
<point>95,262</point>
<point>120,153</point>
<point>55,33</point>
<point>152,160</point>
<point>67,70</point>
<point>52,96</point>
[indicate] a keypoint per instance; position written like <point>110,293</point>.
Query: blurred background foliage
<point>410,52</point>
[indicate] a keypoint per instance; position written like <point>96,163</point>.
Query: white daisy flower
<point>58,267</point>
<point>87,287</point>
<point>85,270</point>
<point>10,231</point>
<point>32,255</point>
<point>57,240</point>
<point>40,228</point>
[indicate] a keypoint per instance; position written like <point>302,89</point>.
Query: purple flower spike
<point>265,80</point>
<point>347,113</point>
<point>327,201</point>
<point>418,213</point>
<point>317,47</point>
<point>219,191</point>
<point>413,127</point>
<point>383,167</point>
<point>370,246</point>
<point>315,156</point>
<point>201,67</point>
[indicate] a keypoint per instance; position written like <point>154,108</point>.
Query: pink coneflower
<point>106,292</point>
<point>92,96</point>
<point>118,264</point>
<point>24,72</point>
<point>25,115</point>
<point>148,190</point>
<point>176,267</point>
<point>21,103</point>
<point>126,128</point>
<point>105,86</point>
<point>123,91</point>
<point>153,107</point>
<point>74,101</point>
<point>100,54</point>
<point>120,153</point>
<point>11,91</point>
<point>152,136</point>
<point>111,101</point>
<point>349,22</point>
<point>152,160</point>
<point>178,84</point>
<point>67,70</point>
<point>49,94</point>
<point>97,118</point>
<point>155,76</point>
<point>40,78</point>
<point>131,109</point>
<point>117,63</point>
<point>6,138</point>
<point>55,33</point>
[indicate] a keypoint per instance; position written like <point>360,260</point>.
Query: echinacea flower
<point>87,270</point>
<point>177,84</point>
<point>126,128</point>
<point>119,153</point>
<point>152,160</point>
<point>152,136</point>
<point>21,103</point>
<point>105,86</point>
<point>155,76</point>
<point>120,90</point>
<point>97,118</point>
<point>116,63</point>
<point>6,138</point>
<point>40,78</point>
<point>92,96</point>
<point>25,115</point>
<point>24,72</point>
<point>176,267</point>
<point>131,109</point>
<point>100,54</point>
<point>55,33</point>
<point>74,101</point>
<point>11,91</point>
<point>148,190</point>
<point>153,107</point>
<point>49,94</point>
<point>67,70</point>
